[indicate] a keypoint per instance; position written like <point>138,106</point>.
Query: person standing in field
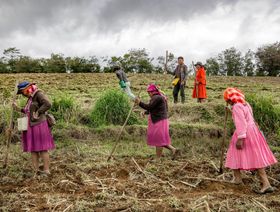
<point>158,124</point>
<point>179,82</point>
<point>123,82</point>
<point>199,90</point>
<point>37,139</point>
<point>248,149</point>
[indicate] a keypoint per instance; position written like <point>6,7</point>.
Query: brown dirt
<point>121,186</point>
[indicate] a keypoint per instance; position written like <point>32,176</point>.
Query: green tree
<point>55,64</point>
<point>268,60</point>
<point>26,64</point>
<point>161,64</point>
<point>171,63</point>
<point>3,66</point>
<point>11,55</point>
<point>231,62</point>
<point>136,60</point>
<point>212,66</point>
<point>249,66</point>
<point>145,66</point>
<point>82,65</point>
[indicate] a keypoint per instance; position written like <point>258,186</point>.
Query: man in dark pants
<point>181,73</point>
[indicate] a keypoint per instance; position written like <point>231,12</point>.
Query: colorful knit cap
<point>234,95</point>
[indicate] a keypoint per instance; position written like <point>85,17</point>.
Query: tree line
<point>265,61</point>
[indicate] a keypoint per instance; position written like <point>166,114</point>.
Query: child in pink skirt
<point>248,149</point>
<point>158,125</point>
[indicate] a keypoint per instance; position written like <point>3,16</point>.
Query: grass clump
<point>64,108</point>
<point>112,108</point>
<point>266,112</point>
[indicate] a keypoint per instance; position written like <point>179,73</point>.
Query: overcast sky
<point>195,29</point>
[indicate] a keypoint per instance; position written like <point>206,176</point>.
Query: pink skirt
<point>37,138</point>
<point>158,133</point>
<point>255,153</point>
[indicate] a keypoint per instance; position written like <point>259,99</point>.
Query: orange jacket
<point>201,76</point>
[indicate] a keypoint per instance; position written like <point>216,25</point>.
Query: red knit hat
<point>234,95</point>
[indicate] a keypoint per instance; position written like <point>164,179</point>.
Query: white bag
<point>22,123</point>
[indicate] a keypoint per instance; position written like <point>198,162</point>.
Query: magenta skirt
<point>158,133</point>
<point>255,153</point>
<point>37,138</point>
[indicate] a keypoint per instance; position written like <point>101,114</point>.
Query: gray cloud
<point>119,14</point>
<point>87,27</point>
<point>27,16</point>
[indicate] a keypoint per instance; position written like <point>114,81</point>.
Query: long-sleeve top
<point>157,108</point>
<point>181,72</point>
<point>243,117</point>
<point>201,76</point>
<point>40,104</point>
<point>121,75</point>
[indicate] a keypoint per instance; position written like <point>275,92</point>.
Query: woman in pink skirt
<point>248,149</point>
<point>158,125</point>
<point>38,138</point>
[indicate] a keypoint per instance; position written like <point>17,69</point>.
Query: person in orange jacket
<point>199,90</point>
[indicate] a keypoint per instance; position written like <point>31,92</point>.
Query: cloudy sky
<point>195,29</point>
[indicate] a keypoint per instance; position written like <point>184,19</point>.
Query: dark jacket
<point>121,75</point>
<point>181,72</point>
<point>41,104</point>
<point>157,108</point>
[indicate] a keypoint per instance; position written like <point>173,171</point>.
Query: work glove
<point>122,84</point>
